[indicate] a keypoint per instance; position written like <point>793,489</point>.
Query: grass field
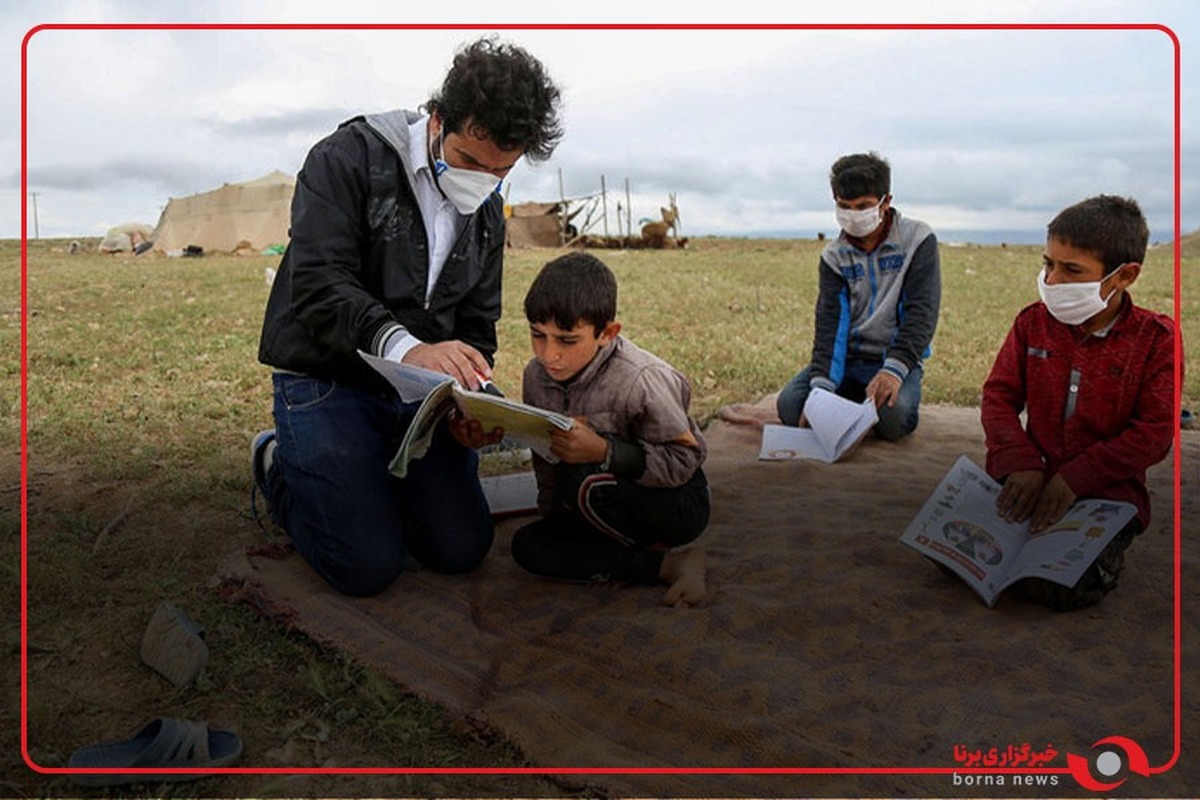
<point>144,390</point>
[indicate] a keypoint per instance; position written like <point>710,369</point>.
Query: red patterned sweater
<point>1100,408</point>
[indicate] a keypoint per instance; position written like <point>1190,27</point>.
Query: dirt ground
<point>101,556</point>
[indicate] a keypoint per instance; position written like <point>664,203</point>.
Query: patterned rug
<point>823,643</point>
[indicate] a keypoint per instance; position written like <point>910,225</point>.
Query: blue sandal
<point>164,742</point>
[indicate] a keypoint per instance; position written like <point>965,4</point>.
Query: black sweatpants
<point>604,528</point>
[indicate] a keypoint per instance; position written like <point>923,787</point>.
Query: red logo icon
<point>1116,756</point>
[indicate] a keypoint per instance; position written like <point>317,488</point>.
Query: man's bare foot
<point>684,573</point>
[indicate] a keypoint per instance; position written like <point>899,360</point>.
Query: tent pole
<point>628,211</point>
<point>604,208</point>
<point>562,222</point>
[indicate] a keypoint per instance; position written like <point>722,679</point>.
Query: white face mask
<point>1073,303</point>
<point>465,188</point>
<point>859,224</point>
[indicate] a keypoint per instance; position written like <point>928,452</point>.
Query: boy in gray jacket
<point>627,492</point>
<point>877,306</point>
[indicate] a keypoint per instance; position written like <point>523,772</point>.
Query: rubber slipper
<point>173,645</point>
<point>164,742</point>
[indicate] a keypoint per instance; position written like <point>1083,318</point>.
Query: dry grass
<point>143,393</point>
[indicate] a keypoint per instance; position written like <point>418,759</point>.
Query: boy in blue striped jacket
<point>877,305</point>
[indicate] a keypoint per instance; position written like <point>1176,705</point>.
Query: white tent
<point>238,216</point>
<point>124,238</point>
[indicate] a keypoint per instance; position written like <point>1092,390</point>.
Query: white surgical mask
<point>1073,303</point>
<point>465,188</point>
<point>859,223</point>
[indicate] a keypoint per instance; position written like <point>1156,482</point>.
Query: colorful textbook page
<point>438,393</point>
<point>958,526</point>
<point>835,426</point>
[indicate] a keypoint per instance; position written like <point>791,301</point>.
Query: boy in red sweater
<point>1094,374</point>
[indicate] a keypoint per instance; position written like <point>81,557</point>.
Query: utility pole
<point>36,232</point>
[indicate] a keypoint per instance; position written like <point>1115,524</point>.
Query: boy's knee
<point>533,549</point>
<point>787,409</point>
<point>525,550</point>
<point>1096,582</point>
<point>1064,598</point>
<point>894,427</point>
<point>789,403</point>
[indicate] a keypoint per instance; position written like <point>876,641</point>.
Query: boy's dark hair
<point>573,288</point>
<point>1111,228</point>
<point>504,90</point>
<point>860,175</point>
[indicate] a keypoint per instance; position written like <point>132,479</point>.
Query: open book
<point>511,493</point>
<point>958,526</point>
<point>438,393</point>
<point>835,426</point>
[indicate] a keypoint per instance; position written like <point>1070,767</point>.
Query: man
<point>397,240</point>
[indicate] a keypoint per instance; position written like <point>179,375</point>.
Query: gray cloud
<point>310,121</point>
<point>112,174</point>
<point>742,125</point>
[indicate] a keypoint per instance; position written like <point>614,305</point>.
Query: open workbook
<point>438,393</point>
<point>835,426</point>
<point>959,526</point>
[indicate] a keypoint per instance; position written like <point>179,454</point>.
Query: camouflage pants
<point>1099,579</point>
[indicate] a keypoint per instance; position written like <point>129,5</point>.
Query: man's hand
<point>455,358</point>
<point>1019,495</point>
<point>1056,498</point>
<point>579,445</point>
<point>469,433</point>
<point>884,388</point>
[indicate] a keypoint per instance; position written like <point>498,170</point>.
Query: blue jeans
<point>330,489</point>
<point>895,422</point>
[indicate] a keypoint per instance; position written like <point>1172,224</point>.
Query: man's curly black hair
<point>506,92</point>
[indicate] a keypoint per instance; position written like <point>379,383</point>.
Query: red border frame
<point>1178,574</point>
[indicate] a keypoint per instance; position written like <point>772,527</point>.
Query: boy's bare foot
<point>684,573</point>
<point>746,414</point>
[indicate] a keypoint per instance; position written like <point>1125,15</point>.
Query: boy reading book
<point>877,303</point>
<point>627,493</point>
<point>1094,374</point>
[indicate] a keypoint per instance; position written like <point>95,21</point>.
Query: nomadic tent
<point>124,238</point>
<point>550,224</point>
<point>534,225</point>
<point>238,216</point>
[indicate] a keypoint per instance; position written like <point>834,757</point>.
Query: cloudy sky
<point>986,130</point>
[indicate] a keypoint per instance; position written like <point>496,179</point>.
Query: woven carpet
<point>824,643</point>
